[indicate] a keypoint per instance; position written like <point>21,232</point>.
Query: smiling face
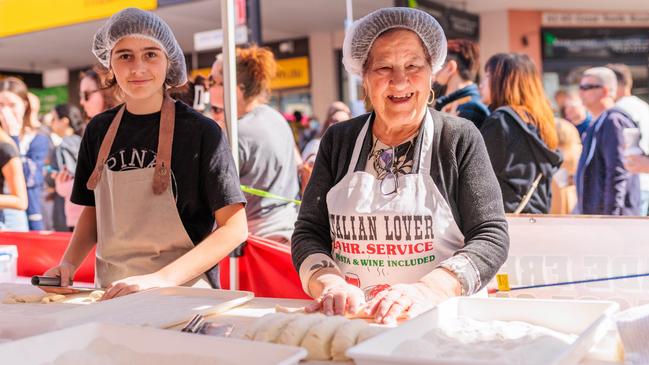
<point>398,77</point>
<point>140,67</point>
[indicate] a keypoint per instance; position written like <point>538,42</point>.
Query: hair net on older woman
<point>363,32</point>
<point>144,24</point>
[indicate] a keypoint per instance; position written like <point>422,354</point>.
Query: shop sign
<point>595,43</point>
<point>50,97</point>
<point>291,72</point>
<point>213,39</point>
<point>23,16</point>
<point>554,19</point>
<point>456,23</point>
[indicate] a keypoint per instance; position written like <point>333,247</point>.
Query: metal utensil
<point>194,324</point>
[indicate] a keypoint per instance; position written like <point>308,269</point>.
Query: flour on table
<point>45,298</point>
<point>503,342</point>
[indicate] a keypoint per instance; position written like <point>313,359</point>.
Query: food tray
<point>587,319</point>
<point>125,345</point>
<point>161,308</point>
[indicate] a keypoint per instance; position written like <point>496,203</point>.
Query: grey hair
<point>606,76</point>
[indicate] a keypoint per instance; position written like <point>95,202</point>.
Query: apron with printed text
<point>379,239</point>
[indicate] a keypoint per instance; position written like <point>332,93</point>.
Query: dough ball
<point>346,337</point>
<point>318,340</point>
<point>295,330</point>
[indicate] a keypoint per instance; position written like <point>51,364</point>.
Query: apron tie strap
<point>162,176</point>
<point>104,150</point>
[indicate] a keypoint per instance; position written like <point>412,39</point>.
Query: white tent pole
<point>351,79</point>
<point>230,102</point>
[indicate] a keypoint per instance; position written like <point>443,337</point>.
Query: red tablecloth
<point>265,267</point>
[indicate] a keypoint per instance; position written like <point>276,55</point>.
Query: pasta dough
<point>295,330</point>
<point>346,337</point>
<point>46,298</point>
<point>270,330</point>
<point>318,340</point>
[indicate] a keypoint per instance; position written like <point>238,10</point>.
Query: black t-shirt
<point>204,177</point>
<point>7,152</point>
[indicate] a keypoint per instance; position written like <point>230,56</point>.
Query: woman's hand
<point>65,271</point>
<point>337,297</point>
<point>637,164</point>
<point>134,284</point>
<point>402,300</point>
<point>12,121</point>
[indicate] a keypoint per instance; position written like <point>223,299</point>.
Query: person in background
<point>576,113</point>
<point>604,185</point>
<point>68,123</point>
<point>564,191</point>
<point>560,98</point>
<point>455,84</point>
<point>94,96</point>
<point>337,112</point>
<point>638,110</point>
<point>33,149</point>
<point>520,134</point>
<point>11,168</point>
<point>267,157</point>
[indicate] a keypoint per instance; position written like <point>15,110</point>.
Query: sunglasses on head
<point>85,95</point>
<point>585,87</point>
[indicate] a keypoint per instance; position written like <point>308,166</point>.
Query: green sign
<point>50,97</point>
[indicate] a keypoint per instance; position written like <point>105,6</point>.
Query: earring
<point>431,99</point>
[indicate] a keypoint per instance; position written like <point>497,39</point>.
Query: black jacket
<point>460,170</point>
<point>472,109</point>
<point>518,155</point>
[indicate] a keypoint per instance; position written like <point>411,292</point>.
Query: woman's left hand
<point>402,300</point>
<point>134,284</point>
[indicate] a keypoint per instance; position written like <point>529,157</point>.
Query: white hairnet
<point>140,23</point>
<point>363,32</point>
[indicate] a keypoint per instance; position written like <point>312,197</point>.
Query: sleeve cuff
<point>311,265</point>
<point>465,271</point>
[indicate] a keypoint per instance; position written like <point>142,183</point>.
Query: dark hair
<point>467,56</point>
<point>106,86</point>
<point>17,86</point>
<point>74,116</point>
<point>255,68</point>
<point>514,81</point>
<point>334,108</point>
<point>622,74</point>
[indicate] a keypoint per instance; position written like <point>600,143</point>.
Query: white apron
<point>382,239</point>
<point>139,230</point>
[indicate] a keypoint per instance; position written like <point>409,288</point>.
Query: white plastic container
<point>587,319</point>
<point>8,263</point>
<point>131,345</point>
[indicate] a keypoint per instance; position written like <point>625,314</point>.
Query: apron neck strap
<point>161,177</point>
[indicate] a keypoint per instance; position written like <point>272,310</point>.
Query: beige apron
<point>139,230</point>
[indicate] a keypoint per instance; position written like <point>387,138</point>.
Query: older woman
<point>403,209</point>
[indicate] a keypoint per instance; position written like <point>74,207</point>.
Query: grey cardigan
<point>460,169</point>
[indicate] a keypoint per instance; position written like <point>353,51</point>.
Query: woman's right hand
<point>337,297</point>
<point>65,271</point>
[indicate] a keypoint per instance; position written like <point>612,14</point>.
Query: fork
<point>194,324</point>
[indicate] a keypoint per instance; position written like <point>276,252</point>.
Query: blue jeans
<point>15,220</point>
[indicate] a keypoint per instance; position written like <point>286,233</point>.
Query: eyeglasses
<point>85,95</point>
<point>585,87</point>
<point>390,182</point>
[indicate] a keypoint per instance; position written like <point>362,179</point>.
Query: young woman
<point>153,174</point>
<point>520,134</point>
<point>33,149</point>
<point>94,98</point>
<point>67,124</point>
<point>11,170</point>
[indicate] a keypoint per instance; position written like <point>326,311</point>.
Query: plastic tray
<point>587,319</point>
<point>161,308</point>
<point>133,343</point>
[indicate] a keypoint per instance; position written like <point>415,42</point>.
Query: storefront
<point>570,44</point>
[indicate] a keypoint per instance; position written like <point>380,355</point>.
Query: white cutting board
<point>160,308</point>
<point>99,344</point>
